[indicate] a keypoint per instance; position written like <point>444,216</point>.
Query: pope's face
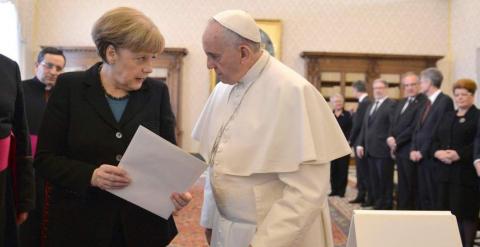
<point>222,56</point>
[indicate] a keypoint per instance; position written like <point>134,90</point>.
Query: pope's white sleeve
<point>304,195</point>
<point>209,205</point>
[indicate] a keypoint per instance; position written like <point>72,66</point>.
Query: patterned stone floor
<point>191,234</point>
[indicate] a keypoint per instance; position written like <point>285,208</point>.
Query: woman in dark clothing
<point>453,149</point>
<point>339,167</point>
<point>16,172</point>
<point>90,119</point>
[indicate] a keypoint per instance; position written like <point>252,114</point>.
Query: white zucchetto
<point>240,22</point>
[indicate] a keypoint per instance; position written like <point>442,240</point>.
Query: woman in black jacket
<point>89,121</point>
<point>453,149</point>
<point>339,168</point>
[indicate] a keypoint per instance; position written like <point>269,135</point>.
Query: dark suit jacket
<point>78,134</point>
<point>403,124</point>
<point>459,135</point>
<point>35,103</point>
<point>13,119</point>
<point>357,119</point>
<point>374,134</point>
<point>422,135</point>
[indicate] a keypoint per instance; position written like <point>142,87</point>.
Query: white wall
<point>367,26</point>
<point>465,40</point>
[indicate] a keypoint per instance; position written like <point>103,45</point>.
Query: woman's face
<point>463,98</point>
<point>130,69</point>
<point>337,103</point>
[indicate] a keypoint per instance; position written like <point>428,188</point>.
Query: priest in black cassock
<point>50,63</point>
<point>16,172</point>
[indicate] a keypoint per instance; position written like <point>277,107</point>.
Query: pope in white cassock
<point>269,137</point>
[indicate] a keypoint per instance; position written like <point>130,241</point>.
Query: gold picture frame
<point>271,30</point>
<point>271,34</point>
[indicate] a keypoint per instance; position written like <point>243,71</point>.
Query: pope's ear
<point>245,52</point>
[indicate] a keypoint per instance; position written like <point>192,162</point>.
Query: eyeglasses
<point>51,66</point>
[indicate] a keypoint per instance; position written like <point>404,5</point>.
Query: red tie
<point>428,105</point>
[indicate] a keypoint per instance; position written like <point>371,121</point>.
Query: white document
<point>376,228</point>
<point>157,168</point>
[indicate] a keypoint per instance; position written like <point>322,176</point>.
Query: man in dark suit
<point>50,63</point>
<point>16,172</point>
<point>372,144</point>
<point>360,91</point>
<point>401,129</point>
<point>431,113</point>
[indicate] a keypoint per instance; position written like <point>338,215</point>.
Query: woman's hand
<point>109,177</point>
<point>180,200</point>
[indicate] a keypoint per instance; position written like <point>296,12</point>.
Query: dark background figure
<point>404,122</point>
<point>364,195</point>
<point>431,114</point>
<point>452,147</point>
<point>90,120</point>
<point>339,167</point>
<point>372,144</point>
<point>50,63</point>
<point>17,195</point>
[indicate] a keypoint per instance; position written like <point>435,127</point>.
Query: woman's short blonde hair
<point>129,29</point>
<point>467,84</point>
<point>337,96</point>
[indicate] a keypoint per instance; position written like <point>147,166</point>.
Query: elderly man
<point>430,115</point>
<point>404,122</point>
<point>269,137</point>
<point>50,63</point>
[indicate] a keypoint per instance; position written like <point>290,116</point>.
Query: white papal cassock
<point>270,139</point>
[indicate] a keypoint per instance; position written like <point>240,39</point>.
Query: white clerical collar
<point>434,96</point>
<point>360,99</point>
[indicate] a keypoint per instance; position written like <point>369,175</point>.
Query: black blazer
<point>422,135</point>
<point>35,103</point>
<point>357,119</point>
<point>403,124</point>
<point>345,122</point>
<point>374,134</point>
<point>476,151</point>
<point>13,119</point>
<point>458,134</point>
<point>78,134</point>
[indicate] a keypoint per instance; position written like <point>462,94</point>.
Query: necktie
<point>409,101</point>
<point>428,105</point>
<point>374,108</point>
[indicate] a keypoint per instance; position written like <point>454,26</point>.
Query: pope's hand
<point>109,177</point>
<point>180,200</point>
